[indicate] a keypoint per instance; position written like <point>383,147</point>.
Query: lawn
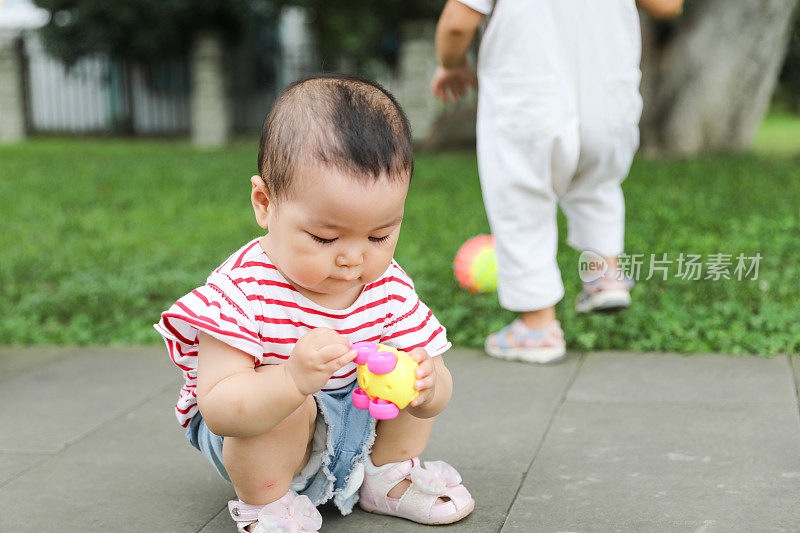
<point>779,134</point>
<point>99,236</point>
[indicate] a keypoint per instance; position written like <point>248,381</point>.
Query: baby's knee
<point>266,490</point>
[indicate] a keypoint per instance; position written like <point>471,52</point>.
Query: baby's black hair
<point>347,122</point>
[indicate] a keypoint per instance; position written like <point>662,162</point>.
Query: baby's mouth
<point>349,277</point>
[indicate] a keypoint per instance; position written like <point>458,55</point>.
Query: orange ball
<point>475,265</point>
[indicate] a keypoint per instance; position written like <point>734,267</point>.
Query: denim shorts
<point>343,440</point>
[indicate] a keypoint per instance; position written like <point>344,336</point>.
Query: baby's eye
<point>321,240</point>
<point>380,239</point>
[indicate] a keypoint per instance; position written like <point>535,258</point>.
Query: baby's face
<point>334,234</point>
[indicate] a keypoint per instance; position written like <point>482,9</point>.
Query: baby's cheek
<point>312,273</point>
<point>377,266</point>
<point>307,272</point>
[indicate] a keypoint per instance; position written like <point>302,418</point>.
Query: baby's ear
<point>259,197</point>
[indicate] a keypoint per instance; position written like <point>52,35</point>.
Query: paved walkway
<point>603,442</point>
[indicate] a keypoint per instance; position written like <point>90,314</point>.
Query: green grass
<point>100,236</point>
<point>779,134</point>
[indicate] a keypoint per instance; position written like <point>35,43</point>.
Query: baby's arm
<point>661,9</point>
<point>454,33</point>
<point>238,400</point>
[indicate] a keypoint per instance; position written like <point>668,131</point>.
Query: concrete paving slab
<point>499,411</point>
<point>136,473</point>
<point>640,442</point>
<point>17,361</point>
<point>13,464</point>
<point>664,467</point>
<point>621,377</point>
<point>221,523</point>
<point>58,403</point>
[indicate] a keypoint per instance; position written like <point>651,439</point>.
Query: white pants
<point>560,127</point>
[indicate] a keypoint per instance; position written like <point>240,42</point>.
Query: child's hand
<point>426,377</point>
<point>453,82</point>
<point>316,356</point>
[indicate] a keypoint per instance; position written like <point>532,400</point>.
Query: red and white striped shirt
<point>249,305</point>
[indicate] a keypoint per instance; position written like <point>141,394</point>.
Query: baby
<point>265,344</point>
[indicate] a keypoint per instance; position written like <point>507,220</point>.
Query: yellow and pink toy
<point>475,265</point>
<point>385,378</point>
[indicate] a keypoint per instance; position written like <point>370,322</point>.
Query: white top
<point>249,305</point>
<point>570,41</point>
<point>481,6</point>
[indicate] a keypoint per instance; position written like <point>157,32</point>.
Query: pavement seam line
<point>561,400</point>
<point>215,515</point>
<point>23,472</point>
<point>795,373</point>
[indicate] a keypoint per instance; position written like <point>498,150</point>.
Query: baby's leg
<point>399,439</point>
<point>261,468</point>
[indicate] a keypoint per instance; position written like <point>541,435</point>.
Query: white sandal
<point>289,514</point>
<point>542,346</point>
<point>419,502</point>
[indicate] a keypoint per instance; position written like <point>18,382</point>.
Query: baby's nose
<point>349,259</point>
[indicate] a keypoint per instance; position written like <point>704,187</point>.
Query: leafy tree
<point>150,30</point>
<point>362,30</point>
<point>143,30</point>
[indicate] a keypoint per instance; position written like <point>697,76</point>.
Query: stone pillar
<point>416,63</point>
<point>211,116</point>
<point>297,46</point>
<point>12,96</point>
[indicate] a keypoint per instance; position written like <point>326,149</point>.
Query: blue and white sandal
<point>517,342</point>
<point>608,294</point>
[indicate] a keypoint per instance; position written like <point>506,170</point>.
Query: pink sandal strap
<point>400,471</point>
<point>243,514</point>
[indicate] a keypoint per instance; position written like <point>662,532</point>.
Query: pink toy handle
<point>382,409</point>
<point>364,349</point>
<point>382,362</point>
<point>360,398</point>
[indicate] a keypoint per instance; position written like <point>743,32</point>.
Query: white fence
<point>101,96</point>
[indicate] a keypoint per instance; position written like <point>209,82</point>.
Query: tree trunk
<point>708,78</point>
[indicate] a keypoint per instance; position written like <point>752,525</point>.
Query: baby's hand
<point>316,356</point>
<point>426,377</point>
<point>452,82</point>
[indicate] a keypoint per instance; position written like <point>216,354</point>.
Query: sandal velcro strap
<point>400,471</point>
<point>243,514</point>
